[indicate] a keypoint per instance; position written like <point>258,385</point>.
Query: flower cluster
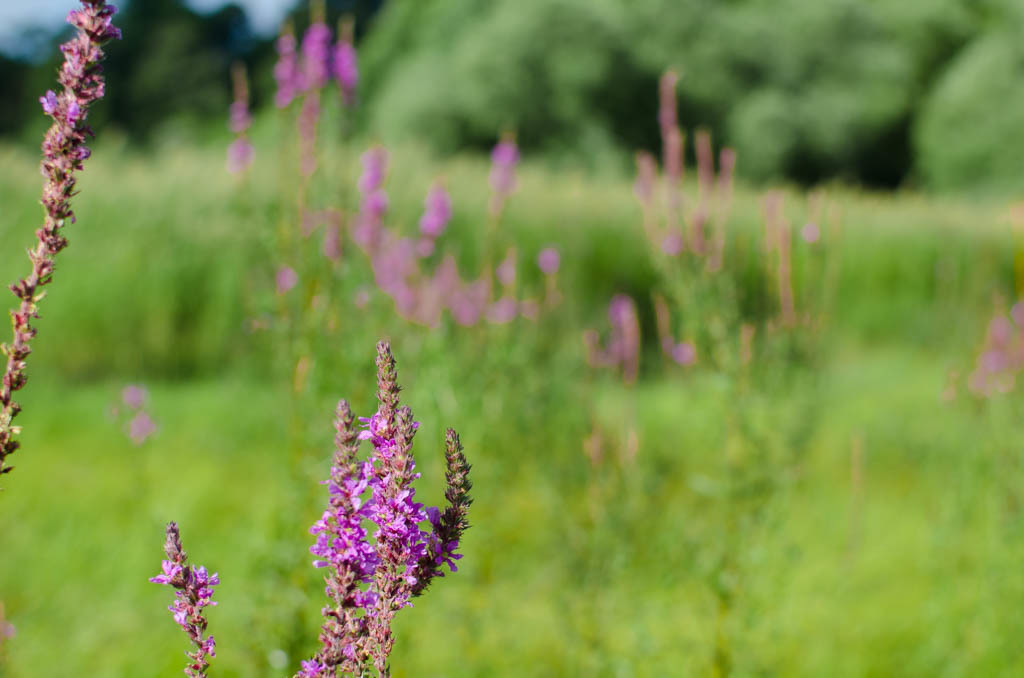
<point>622,350</point>
<point>1001,357</point>
<point>682,352</point>
<point>398,262</point>
<point>194,592</point>
<point>64,151</point>
<point>670,227</point>
<point>140,424</point>
<point>240,151</point>
<point>504,159</point>
<point>310,67</point>
<point>370,580</point>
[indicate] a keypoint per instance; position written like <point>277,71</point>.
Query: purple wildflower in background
<point>194,591</point>
<point>811,232</point>
<point>141,427</point>
<point>134,396</point>
<point>7,629</point>
<point>437,212</point>
<point>64,150</point>
<point>503,310</point>
<point>287,73</point>
<point>548,261</point>
<point>504,159</point>
<point>309,119</point>
<point>240,155</point>
<point>368,229</point>
<point>506,270</point>
<point>344,64</point>
<point>240,152</point>
<point>623,347</point>
<point>672,244</point>
<point>684,353</point>
<point>1017,313</point>
<point>316,56</point>
<point>286,279</point>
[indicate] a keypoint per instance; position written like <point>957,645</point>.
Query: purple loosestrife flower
<point>369,581</point>
<point>240,152</point>
<point>368,229</point>
<point>503,311</point>
<point>286,71</point>
<point>344,65</point>
<point>504,159</point>
<point>194,592</point>
<point>437,212</point>
<point>623,346</point>
<point>141,427</point>
<point>506,270</point>
<point>309,119</point>
<point>134,396</point>
<point>453,522</point>
<point>342,547</point>
<point>548,261</point>
<point>7,629</point>
<point>64,151</point>
<point>316,55</point>
<point>286,279</point>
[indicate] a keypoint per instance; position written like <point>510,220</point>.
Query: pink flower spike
<point>286,279</point>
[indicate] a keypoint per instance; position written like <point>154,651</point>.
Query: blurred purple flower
<point>684,353</point>
<point>345,67</point>
<point>141,427</point>
<point>672,243</point>
<point>134,396</point>
<point>240,155</point>
<point>506,271</point>
<point>316,55</point>
<point>503,311</point>
<point>437,213</point>
<point>286,279</point>
<point>286,71</point>
<point>504,159</point>
<point>548,260</point>
<point>811,232</point>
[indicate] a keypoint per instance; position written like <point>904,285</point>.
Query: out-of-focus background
<point>801,459</point>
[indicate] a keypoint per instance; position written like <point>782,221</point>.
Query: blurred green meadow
<point>889,543</point>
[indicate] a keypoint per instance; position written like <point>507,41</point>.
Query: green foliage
<point>969,132</point>
<point>803,90</point>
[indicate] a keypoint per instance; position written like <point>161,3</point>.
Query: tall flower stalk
<point>64,151</point>
<point>369,581</point>
<point>194,592</point>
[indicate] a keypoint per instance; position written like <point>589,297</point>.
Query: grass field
<point>906,562</point>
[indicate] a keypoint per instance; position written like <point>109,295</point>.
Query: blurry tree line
<point>876,92</point>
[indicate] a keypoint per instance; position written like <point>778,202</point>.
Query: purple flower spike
<point>287,72</point>
<point>504,159</point>
<point>240,155</point>
<point>194,592</point>
<point>548,261</point>
<point>811,232</point>
<point>286,279</point>
<point>141,427</point>
<point>64,151</point>
<point>316,55</point>
<point>344,64</point>
<point>438,212</point>
<point>369,580</point>
<point>134,396</point>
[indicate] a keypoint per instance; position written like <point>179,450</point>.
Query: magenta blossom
<point>548,261</point>
<point>438,212</point>
<point>286,279</point>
